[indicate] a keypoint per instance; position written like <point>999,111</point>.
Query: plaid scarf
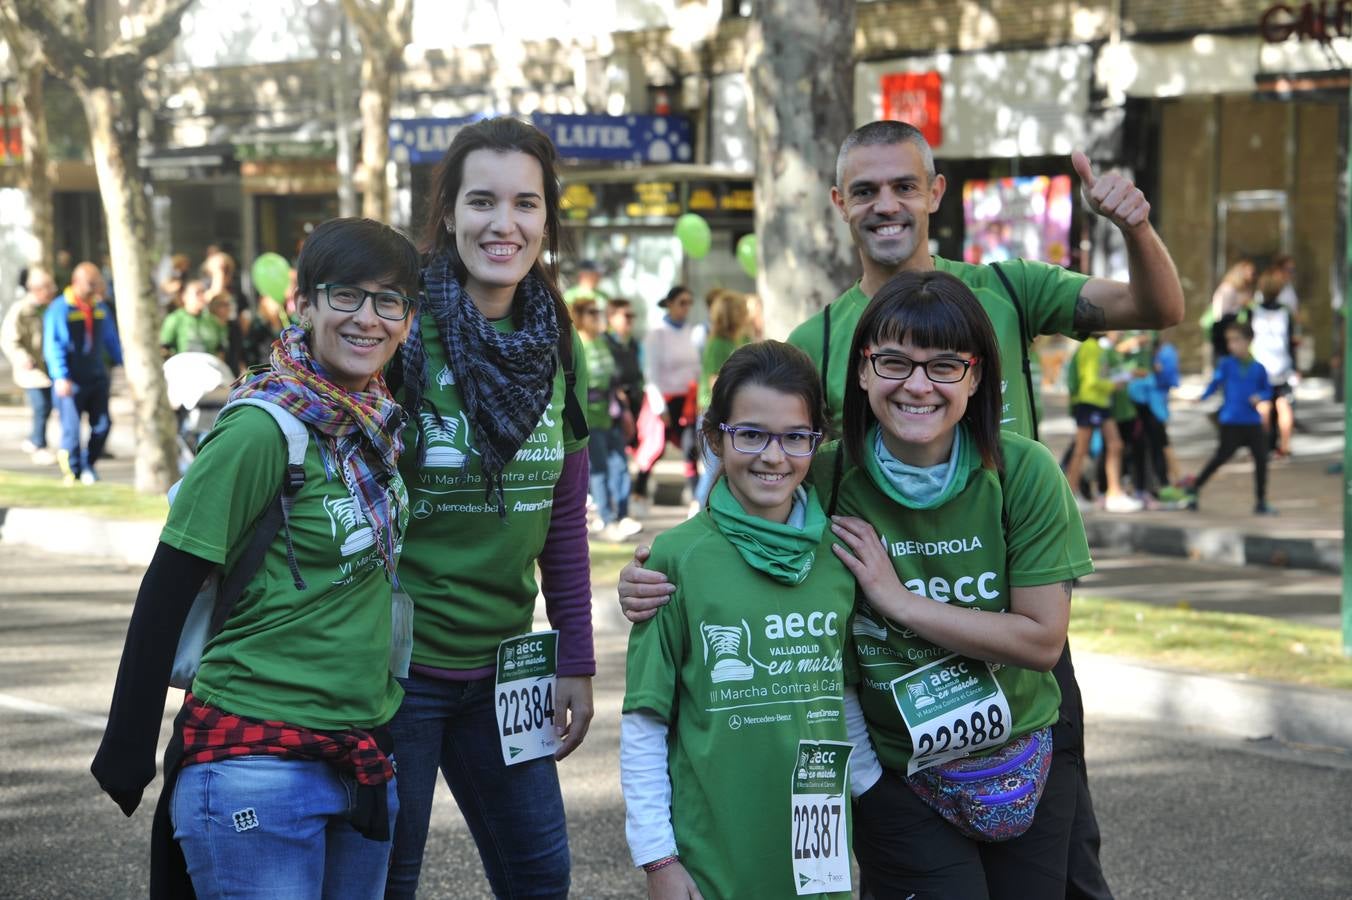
<point>212,735</point>
<point>360,433</point>
<point>505,379</point>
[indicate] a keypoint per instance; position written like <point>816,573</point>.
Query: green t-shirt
<point>1093,380</point>
<point>959,553</point>
<point>1046,292</point>
<point>742,668</point>
<point>600,374</point>
<point>470,572</point>
<point>184,332</point>
<point>716,352</point>
<point>318,658</point>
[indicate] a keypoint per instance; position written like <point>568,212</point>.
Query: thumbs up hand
<point>1111,195</point>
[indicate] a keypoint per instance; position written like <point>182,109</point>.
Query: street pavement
<point>1185,812</point>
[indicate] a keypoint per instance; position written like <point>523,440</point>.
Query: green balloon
<point>746,254</point>
<point>694,234</point>
<point>272,276</point>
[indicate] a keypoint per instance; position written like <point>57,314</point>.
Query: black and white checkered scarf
<point>505,379</point>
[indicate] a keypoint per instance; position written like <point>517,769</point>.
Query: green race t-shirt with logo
<point>1046,292</point>
<point>318,658</point>
<point>961,554</point>
<point>469,571</point>
<point>742,667</point>
<point>600,374</point>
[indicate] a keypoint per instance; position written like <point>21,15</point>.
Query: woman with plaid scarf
<point>278,779</point>
<point>497,477</point>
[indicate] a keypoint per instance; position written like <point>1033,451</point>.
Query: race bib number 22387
<point>821,841</point>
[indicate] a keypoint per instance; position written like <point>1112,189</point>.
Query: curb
<point>1231,546</point>
<point>1241,707</point>
<point>131,543</point>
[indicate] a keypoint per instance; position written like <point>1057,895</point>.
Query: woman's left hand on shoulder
<point>866,558</point>
<point>572,712</point>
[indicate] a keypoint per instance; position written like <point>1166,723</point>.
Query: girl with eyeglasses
<point>497,476</point>
<point>279,779</point>
<point>742,673</point>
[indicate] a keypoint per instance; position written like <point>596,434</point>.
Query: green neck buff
<point>783,552</point>
<point>890,481</point>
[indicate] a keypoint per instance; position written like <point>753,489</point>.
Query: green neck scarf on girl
<point>783,552</point>
<point>906,484</point>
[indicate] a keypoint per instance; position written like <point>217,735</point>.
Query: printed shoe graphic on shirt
<point>445,440</point>
<point>730,647</point>
<point>919,695</point>
<point>445,378</point>
<point>346,520</point>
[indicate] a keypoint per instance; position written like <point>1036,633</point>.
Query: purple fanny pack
<point>990,798</point>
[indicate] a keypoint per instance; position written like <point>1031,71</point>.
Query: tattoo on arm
<point>1088,317</point>
<point>1067,586</point>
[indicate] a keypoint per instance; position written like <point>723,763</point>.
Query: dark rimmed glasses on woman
<point>746,439</point>
<point>349,299</point>
<point>940,369</point>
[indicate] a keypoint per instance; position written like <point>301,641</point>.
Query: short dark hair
<point>353,250</point>
<point>772,364</point>
<point>1243,328</point>
<point>933,309</point>
<point>884,133</point>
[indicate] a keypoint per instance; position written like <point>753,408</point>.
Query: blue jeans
<point>40,402</point>
<point>515,813</point>
<point>86,400</point>
<point>609,479</point>
<point>267,827</point>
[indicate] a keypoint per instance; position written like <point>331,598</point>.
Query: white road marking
<point>55,712</point>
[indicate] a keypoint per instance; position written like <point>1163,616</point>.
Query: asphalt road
<point>1184,815</point>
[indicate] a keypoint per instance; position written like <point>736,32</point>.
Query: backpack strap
<point>826,357</point>
<point>573,413</point>
<point>1024,342</point>
<point>837,470</point>
<point>297,440</point>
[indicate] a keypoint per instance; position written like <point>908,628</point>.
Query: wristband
<point>659,864</point>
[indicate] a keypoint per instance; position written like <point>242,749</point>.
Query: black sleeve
<point>125,762</point>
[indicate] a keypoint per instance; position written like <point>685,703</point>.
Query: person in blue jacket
<point>1243,382</point>
<point>79,340</point>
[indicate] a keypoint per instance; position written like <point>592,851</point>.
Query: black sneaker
<point>1191,505</point>
<point>1262,509</point>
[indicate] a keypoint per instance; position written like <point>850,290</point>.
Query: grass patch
<point>1232,643</point>
<point>108,501</point>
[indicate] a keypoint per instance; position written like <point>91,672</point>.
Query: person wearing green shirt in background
<point>1094,403</point>
<point>192,328</point>
<point>285,787</point>
<point>609,478</point>
<point>729,320</point>
<point>886,189</point>
<point>588,277</point>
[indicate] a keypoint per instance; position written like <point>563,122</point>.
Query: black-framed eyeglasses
<point>747,439</point>
<point>940,369</point>
<point>349,299</point>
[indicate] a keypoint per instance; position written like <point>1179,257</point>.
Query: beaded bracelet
<point>658,865</point>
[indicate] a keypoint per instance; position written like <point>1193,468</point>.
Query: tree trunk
<point>111,110</point>
<point>37,176</point>
<point>800,68</point>
<point>377,89</point>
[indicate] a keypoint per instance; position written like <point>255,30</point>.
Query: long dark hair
<point>933,309</point>
<point>772,364</point>
<point>501,135</point>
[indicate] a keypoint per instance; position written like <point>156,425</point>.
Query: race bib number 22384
<point>524,696</point>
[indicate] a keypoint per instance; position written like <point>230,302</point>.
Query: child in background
<point>1244,383</point>
<point>741,674</point>
<point>1091,405</point>
<point>728,323</point>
